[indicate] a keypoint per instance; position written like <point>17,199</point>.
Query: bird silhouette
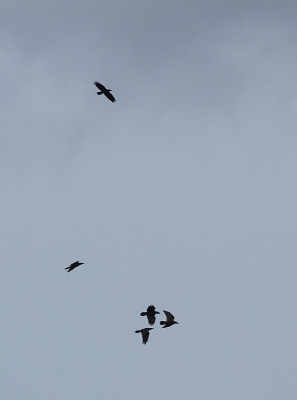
<point>150,313</point>
<point>73,265</point>
<point>105,91</point>
<point>170,320</point>
<point>145,334</point>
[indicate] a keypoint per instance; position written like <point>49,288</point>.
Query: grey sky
<point>182,194</point>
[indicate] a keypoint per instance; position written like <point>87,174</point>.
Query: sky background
<point>182,194</point>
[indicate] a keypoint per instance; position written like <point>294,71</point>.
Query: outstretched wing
<point>169,316</point>
<point>109,95</point>
<point>145,336</point>
<point>100,86</point>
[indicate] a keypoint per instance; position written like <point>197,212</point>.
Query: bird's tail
<point>162,322</point>
<point>143,314</point>
<point>99,92</point>
<point>137,331</point>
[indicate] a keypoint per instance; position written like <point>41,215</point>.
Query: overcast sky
<point>181,194</point>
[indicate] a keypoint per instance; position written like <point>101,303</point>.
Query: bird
<point>170,320</point>
<point>73,265</point>
<point>105,91</point>
<point>145,334</point>
<point>150,313</point>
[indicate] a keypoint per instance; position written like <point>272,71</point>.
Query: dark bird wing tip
<point>168,315</point>
<point>98,85</point>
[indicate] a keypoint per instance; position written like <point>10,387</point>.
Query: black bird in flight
<point>150,313</point>
<point>73,265</point>
<point>105,91</point>
<point>170,320</point>
<point>145,334</point>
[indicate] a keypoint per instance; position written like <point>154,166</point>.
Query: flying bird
<point>73,265</point>
<point>145,334</point>
<point>170,320</point>
<point>150,313</point>
<point>105,91</point>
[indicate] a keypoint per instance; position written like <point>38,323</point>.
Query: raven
<point>170,320</point>
<point>150,313</point>
<point>105,91</point>
<point>145,334</point>
<point>73,265</point>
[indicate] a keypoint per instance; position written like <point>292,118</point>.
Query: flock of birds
<point>151,317</point>
<point>150,312</point>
